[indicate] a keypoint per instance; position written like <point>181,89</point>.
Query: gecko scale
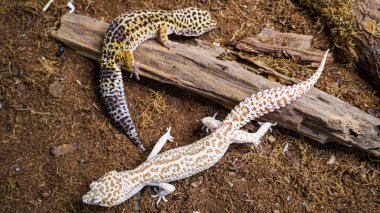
<point>160,169</point>
<point>123,36</point>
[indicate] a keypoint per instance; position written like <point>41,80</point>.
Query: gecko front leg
<point>163,190</point>
<point>163,37</point>
<point>160,143</point>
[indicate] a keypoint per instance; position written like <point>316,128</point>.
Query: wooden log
<point>355,31</point>
<point>317,115</point>
<point>295,46</point>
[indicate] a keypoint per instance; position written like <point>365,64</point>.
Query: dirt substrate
<point>263,179</point>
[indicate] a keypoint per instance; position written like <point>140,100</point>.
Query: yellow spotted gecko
<point>160,169</point>
<point>123,36</point>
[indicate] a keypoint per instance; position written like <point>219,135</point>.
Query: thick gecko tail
<point>270,100</point>
<point>112,91</point>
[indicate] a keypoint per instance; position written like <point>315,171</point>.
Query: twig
<point>47,5</point>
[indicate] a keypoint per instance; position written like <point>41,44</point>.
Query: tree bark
<point>317,115</point>
<point>355,31</point>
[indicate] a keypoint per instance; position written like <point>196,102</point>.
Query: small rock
<point>56,89</point>
<point>46,194</point>
<point>271,138</point>
<point>195,184</point>
<point>289,199</point>
<point>276,211</point>
<point>118,137</point>
<point>64,149</point>
<point>331,160</point>
<point>81,161</point>
<point>216,44</point>
<point>16,168</point>
<point>231,173</point>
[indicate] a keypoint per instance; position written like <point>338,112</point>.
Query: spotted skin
<point>116,187</point>
<point>123,36</point>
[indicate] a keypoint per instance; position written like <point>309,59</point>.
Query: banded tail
<point>269,100</point>
<point>112,91</point>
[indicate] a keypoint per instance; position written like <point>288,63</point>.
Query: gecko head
<point>194,21</point>
<point>110,190</point>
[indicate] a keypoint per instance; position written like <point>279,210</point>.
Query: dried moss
<point>341,22</point>
<point>154,105</point>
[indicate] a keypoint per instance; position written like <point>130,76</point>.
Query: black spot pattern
<point>126,33</point>
<point>112,90</point>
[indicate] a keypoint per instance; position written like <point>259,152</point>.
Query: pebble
<point>46,194</point>
<point>289,199</point>
<point>331,160</point>
<point>56,89</point>
<point>195,184</point>
<point>64,149</point>
<point>271,138</point>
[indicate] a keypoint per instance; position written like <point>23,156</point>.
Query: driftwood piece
<point>317,115</point>
<point>296,46</point>
<point>355,31</point>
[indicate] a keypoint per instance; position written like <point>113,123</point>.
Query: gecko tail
<point>270,100</point>
<point>112,91</point>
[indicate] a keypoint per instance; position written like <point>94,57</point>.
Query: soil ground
<point>263,179</point>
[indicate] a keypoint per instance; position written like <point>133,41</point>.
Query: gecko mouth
<point>88,199</point>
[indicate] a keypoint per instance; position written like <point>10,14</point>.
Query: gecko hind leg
<point>131,64</point>
<point>252,138</point>
<point>210,123</point>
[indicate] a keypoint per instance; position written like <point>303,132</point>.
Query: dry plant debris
<point>260,179</point>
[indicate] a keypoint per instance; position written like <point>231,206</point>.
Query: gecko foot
<point>169,44</point>
<point>136,71</point>
<point>207,129</point>
<point>167,135</point>
<point>160,195</point>
<point>268,123</point>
